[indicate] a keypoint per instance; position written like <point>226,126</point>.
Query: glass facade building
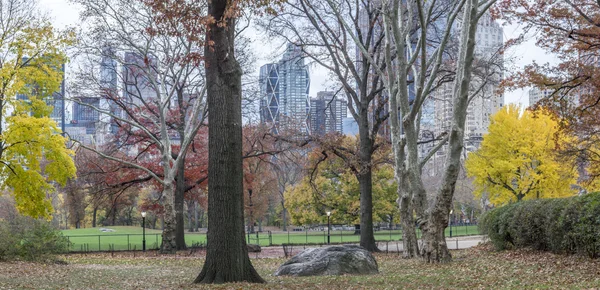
<point>284,90</point>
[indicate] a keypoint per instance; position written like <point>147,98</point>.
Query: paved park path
<point>463,242</point>
<point>454,243</point>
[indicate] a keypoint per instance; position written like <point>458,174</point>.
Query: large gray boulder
<point>333,260</point>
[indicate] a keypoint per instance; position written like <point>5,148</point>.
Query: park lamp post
<point>328,226</point>
<point>450,222</point>
<point>143,231</point>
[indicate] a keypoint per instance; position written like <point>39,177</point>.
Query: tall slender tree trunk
<point>169,245</point>
<point>434,243</point>
<point>284,216</point>
<point>365,181</point>
<point>367,237</point>
<point>190,216</point>
<point>196,222</point>
<point>226,254</point>
<point>179,200</point>
<point>94,215</point>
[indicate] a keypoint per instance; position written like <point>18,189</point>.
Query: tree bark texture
<point>409,232</point>
<point>169,245</point>
<point>227,254</point>
<point>365,181</point>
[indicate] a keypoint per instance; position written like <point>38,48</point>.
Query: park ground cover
<point>130,237</point>
<point>475,268</point>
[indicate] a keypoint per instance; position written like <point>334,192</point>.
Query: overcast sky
<point>66,14</point>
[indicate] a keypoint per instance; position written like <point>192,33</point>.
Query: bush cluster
<point>561,225</point>
<point>28,239</point>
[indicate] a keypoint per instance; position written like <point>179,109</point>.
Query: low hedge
<point>24,238</point>
<point>561,225</point>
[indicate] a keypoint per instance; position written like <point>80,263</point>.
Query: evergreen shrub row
<point>24,238</point>
<point>562,225</point>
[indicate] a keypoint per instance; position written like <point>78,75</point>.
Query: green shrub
<point>29,239</point>
<point>565,225</point>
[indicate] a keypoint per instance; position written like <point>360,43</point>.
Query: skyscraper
<point>327,112</point>
<point>486,101</point>
<point>284,90</point>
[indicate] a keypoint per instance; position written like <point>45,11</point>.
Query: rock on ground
<point>332,260</point>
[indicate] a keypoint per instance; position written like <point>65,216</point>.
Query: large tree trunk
<point>409,232</point>
<point>365,181</point>
<point>367,238</point>
<point>179,199</point>
<point>169,228</point>
<point>226,254</point>
<point>434,243</point>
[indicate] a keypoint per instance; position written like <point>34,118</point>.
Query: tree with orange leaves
<point>571,31</point>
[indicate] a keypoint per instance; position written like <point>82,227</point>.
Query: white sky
<point>66,14</point>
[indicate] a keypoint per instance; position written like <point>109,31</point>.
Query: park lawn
<point>118,230</point>
<point>130,237</point>
<point>474,268</point>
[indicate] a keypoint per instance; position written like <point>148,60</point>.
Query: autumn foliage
<point>518,158</point>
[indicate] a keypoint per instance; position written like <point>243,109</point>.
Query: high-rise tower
<point>284,90</point>
<point>486,100</point>
<point>327,112</point>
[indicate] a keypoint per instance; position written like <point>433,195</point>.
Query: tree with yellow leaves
<point>518,158</point>
<point>33,154</point>
<point>335,188</point>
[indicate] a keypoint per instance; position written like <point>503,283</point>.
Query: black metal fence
<point>113,242</point>
<point>318,235</point>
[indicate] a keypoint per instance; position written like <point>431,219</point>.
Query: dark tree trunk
<point>94,215</point>
<point>190,216</point>
<point>367,238</point>
<point>113,216</point>
<point>365,181</point>
<point>197,223</point>
<point>226,254</point>
<point>284,216</point>
<point>179,200</point>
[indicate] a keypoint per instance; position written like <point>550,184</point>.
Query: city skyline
<point>65,14</point>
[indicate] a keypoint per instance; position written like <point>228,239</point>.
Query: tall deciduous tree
<point>327,42</point>
<point>332,187</point>
<point>145,65</point>
<point>519,158</point>
<point>569,30</point>
<point>33,154</point>
<point>417,35</point>
<point>226,255</point>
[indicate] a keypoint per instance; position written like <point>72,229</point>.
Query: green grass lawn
<point>476,268</point>
<point>130,238</point>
